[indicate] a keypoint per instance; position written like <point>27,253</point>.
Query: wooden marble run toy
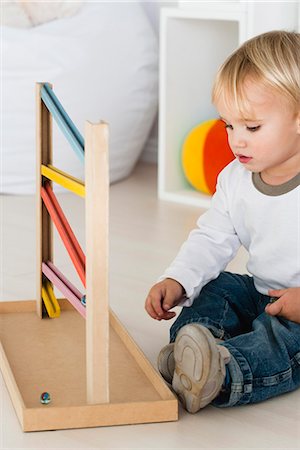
<point>86,363</point>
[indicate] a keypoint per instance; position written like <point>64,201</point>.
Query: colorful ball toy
<point>205,153</point>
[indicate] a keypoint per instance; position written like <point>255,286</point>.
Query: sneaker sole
<point>193,353</point>
<point>166,363</point>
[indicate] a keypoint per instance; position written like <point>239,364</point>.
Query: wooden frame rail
<point>49,299</point>
<point>65,231</point>
<point>63,120</point>
<point>64,179</point>
<point>72,294</point>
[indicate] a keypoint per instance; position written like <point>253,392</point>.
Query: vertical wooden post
<point>44,239</point>
<point>96,221</point>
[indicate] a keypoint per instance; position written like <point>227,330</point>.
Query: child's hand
<point>162,297</point>
<point>287,305</point>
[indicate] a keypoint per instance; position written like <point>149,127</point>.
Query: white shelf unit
<point>193,44</point>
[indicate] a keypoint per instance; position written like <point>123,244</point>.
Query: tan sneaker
<point>166,362</point>
<point>199,367</point>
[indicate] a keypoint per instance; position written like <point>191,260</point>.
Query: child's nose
<point>238,141</point>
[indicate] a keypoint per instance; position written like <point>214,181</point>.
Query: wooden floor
<point>144,236</point>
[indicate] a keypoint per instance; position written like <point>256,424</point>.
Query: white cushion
<point>102,64</point>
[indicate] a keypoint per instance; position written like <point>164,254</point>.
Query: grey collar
<point>280,189</point>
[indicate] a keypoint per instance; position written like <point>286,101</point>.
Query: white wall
<point>152,9</point>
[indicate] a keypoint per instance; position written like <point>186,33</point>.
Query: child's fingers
<point>157,306</point>
<point>275,308</point>
<point>150,311</point>
<point>153,303</point>
<point>169,302</point>
<point>165,315</point>
<point>161,298</point>
<point>149,308</point>
<point>155,311</point>
<point>169,315</point>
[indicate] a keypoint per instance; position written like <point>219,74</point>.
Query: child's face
<point>269,141</point>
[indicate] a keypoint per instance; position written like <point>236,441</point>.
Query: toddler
<point>237,338</point>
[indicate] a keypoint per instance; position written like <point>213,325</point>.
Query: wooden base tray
<point>49,355</point>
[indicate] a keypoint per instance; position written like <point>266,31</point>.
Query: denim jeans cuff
<point>206,322</point>
<point>241,380</point>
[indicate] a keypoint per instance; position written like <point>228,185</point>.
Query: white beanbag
<point>102,63</point>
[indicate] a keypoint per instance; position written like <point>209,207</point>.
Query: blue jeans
<point>265,350</point>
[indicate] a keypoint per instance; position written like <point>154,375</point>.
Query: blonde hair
<point>272,59</point>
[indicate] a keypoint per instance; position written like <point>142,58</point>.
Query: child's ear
<point>298,123</point>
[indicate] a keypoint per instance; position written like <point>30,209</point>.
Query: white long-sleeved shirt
<point>244,211</point>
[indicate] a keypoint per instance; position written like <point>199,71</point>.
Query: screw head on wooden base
<point>45,398</point>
